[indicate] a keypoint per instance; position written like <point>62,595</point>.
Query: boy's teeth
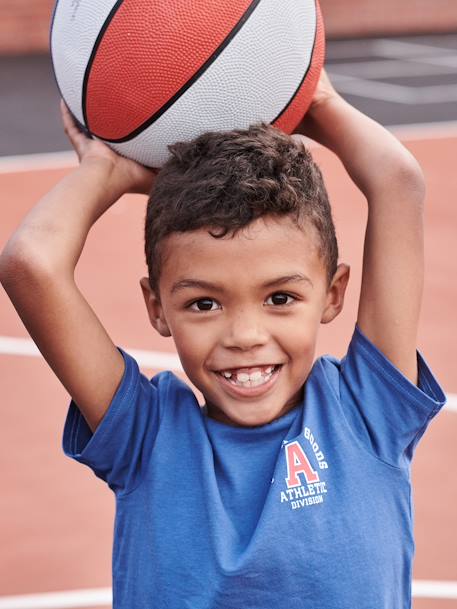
<point>242,377</point>
<point>252,379</point>
<point>255,376</point>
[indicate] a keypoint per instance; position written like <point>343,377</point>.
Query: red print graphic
<point>297,463</point>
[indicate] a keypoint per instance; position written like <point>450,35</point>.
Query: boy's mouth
<point>250,377</point>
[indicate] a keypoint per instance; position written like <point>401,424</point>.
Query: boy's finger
<point>67,119</point>
<point>74,130</point>
<point>65,112</point>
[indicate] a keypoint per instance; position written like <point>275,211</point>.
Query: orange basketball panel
<point>138,68</point>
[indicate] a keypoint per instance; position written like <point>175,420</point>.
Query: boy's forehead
<point>261,250</point>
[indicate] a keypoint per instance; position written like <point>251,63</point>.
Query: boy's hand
<point>133,177</point>
<point>324,92</point>
<point>324,95</point>
<point>393,184</point>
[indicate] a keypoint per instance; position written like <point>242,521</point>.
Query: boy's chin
<point>255,419</point>
<point>246,416</point>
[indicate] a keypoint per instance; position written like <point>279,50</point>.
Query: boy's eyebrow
<point>296,277</point>
<point>207,285</point>
<point>195,283</point>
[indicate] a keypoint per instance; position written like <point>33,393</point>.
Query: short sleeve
<point>387,412</point>
<point>118,450</point>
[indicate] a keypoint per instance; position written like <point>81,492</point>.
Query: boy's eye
<point>280,299</point>
<point>204,304</point>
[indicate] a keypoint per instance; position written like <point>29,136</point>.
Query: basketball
<point>142,74</point>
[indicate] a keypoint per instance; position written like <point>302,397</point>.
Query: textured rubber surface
<point>149,52</point>
<point>292,114</point>
<point>226,96</point>
<point>75,28</point>
<point>142,74</point>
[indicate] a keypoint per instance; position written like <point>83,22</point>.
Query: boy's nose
<point>244,332</point>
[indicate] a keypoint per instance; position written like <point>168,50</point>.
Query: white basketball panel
<point>253,79</point>
<point>75,29</point>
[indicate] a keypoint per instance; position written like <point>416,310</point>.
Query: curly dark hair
<point>226,180</point>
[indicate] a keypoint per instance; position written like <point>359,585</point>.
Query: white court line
<point>403,59</point>
<point>38,162</point>
<point>152,360</point>
<point>434,589</point>
<point>451,404</point>
<point>399,94</point>
<point>393,68</point>
<point>386,47</point>
<point>102,597</point>
<point>449,61</point>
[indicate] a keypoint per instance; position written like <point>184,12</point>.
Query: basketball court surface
<point>57,524</point>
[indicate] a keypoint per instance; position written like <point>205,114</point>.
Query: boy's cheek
<point>191,350</point>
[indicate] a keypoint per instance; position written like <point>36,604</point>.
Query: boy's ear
<point>154,307</point>
<point>335,293</point>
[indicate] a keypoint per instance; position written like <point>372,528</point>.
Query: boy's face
<point>244,312</point>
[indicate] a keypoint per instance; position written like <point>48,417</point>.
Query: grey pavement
<point>401,80</point>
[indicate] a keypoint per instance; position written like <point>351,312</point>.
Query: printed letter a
<point>297,463</point>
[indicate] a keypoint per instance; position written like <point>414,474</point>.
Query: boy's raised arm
<point>37,271</point>
<point>393,183</point>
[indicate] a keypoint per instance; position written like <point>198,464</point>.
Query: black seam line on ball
<point>306,71</point>
<point>152,119</point>
<point>97,43</point>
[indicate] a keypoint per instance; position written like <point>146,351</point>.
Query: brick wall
<point>345,18</point>
<point>24,24</point>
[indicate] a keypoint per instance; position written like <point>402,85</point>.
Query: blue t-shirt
<point>311,511</point>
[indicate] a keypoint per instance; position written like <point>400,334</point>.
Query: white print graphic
<point>303,482</point>
<point>304,495</point>
<point>315,446</point>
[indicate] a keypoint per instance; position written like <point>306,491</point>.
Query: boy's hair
<point>224,180</point>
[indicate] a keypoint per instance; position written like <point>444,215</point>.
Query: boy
<point>291,487</point>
